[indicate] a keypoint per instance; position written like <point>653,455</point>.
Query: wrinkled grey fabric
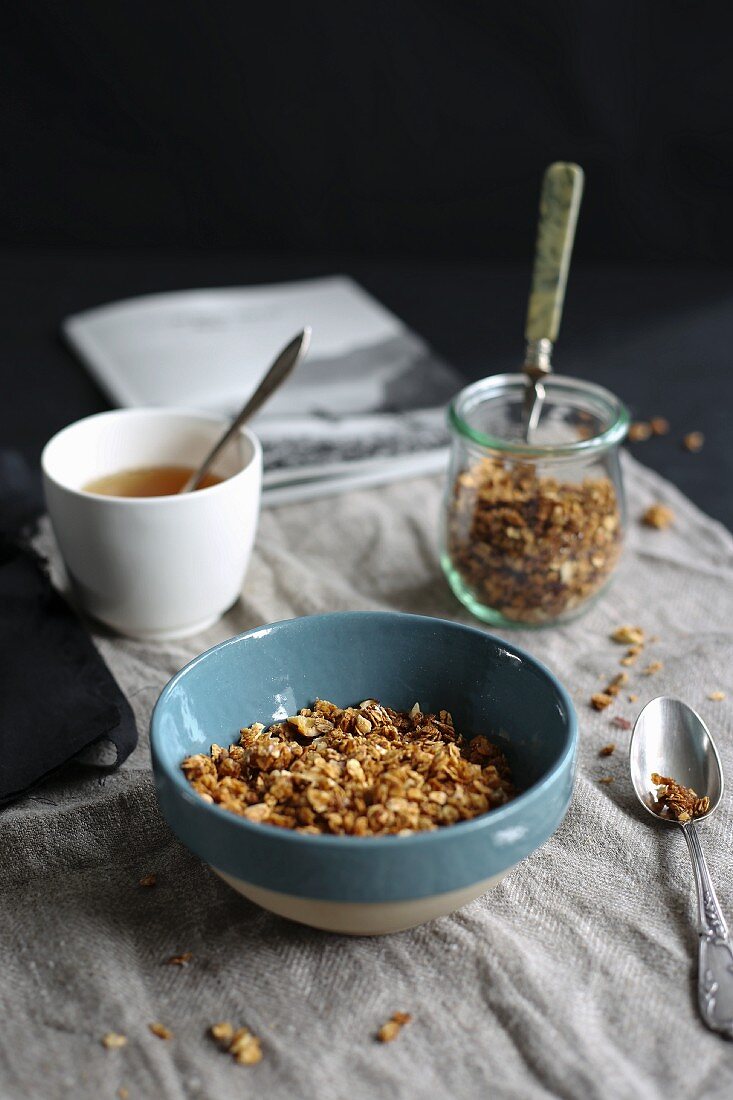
<point>573,978</point>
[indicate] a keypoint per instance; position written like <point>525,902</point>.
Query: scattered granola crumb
<point>632,654</point>
<point>148,880</point>
<point>617,683</point>
<point>659,516</point>
<point>621,723</point>
<point>659,425</point>
<point>717,696</point>
<point>640,431</point>
<point>603,699</point>
<point>393,1027</point>
<point>607,750</point>
<point>123,1093</point>
<point>674,799</point>
<point>222,1032</point>
<point>628,635</point>
<point>245,1048</point>
<point>113,1040</point>
<point>371,771</point>
<point>633,697</point>
<point>655,666</point>
<point>161,1031</point>
<point>180,960</point>
<point>606,779</point>
<point>693,442</point>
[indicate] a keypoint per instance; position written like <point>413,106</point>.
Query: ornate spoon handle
<point>715,977</point>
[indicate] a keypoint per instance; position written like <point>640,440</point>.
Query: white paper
<point>369,392</point>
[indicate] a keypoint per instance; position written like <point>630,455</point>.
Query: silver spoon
<point>670,738</point>
<point>285,362</point>
<point>562,190</point>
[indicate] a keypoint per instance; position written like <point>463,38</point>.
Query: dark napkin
<point>57,696</point>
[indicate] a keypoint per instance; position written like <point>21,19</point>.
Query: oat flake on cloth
<point>573,978</point>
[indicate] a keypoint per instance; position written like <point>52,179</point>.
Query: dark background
<point>160,145</point>
<point>416,127</point>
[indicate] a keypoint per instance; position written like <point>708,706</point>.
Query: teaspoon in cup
<point>671,739</point>
<point>286,362</point>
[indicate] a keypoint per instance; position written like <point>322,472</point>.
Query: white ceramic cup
<point>153,567</point>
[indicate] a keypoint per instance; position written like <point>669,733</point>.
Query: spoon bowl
<point>671,738</point>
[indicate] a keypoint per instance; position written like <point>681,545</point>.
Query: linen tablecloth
<point>573,978</point>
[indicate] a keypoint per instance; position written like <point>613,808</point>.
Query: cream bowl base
<point>349,918</point>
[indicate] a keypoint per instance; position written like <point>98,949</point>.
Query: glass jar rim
<point>497,384</point>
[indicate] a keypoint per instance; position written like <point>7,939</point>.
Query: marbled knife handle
<point>562,189</point>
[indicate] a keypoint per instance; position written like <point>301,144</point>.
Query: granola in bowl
<point>355,771</point>
<point>383,882</point>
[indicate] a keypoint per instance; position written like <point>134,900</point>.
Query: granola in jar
<point>532,547</point>
<point>533,529</point>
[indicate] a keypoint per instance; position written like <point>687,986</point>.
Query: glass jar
<point>532,532</point>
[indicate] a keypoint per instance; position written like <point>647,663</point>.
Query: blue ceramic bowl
<point>372,884</point>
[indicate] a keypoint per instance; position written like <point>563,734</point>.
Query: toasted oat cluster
<point>532,547</point>
<point>241,1043</point>
<point>659,516</point>
<point>358,771</point>
<point>693,442</point>
<point>675,800</point>
<point>388,1032</point>
<point>113,1040</point>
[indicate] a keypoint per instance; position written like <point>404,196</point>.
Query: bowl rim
<point>374,843</point>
